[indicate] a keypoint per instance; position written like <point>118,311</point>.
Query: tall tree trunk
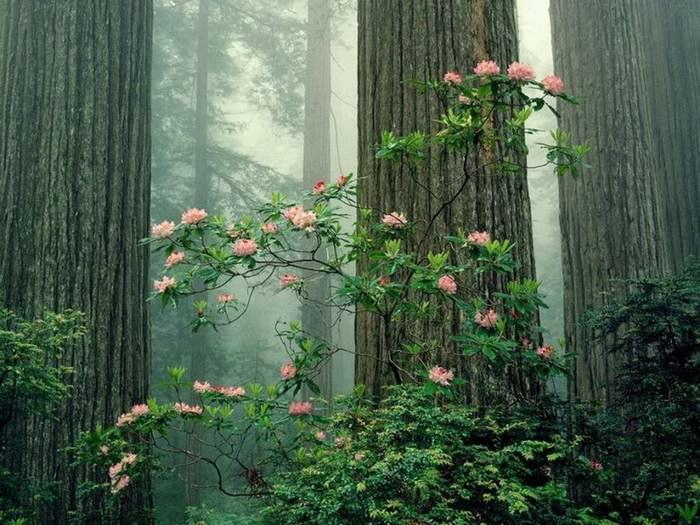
<point>672,32</point>
<point>202,189</point>
<point>316,318</point>
<point>74,190</point>
<point>612,224</point>
<point>397,42</point>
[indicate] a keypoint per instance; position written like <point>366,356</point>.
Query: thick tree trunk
<point>673,40</point>
<point>316,318</point>
<point>74,190</point>
<point>612,223</point>
<point>398,42</point>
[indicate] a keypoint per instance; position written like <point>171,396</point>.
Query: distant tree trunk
<point>316,318</point>
<point>672,38</point>
<point>612,224</point>
<point>398,42</point>
<point>74,190</point>
<point>202,190</point>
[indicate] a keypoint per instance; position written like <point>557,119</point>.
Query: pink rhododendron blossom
<point>394,220</point>
<point>230,391</point>
<point>174,258</point>
<point>452,76</point>
<point>120,484</point>
<point>359,456</point>
<point>320,435</point>
<point>447,284</point>
<point>342,180</point>
<point>487,319</point>
<point>194,216</point>
<point>201,387</point>
<point>553,84</point>
<point>164,284</point>
<point>479,238</point>
<point>163,230</point>
<point>341,441</point>
<point>319,187</point>
<point>270,227</point>
<point>545,351</point>
<point>116,469</point>
<point>288,371</point>
<point>185,409</point>
<point>520,71</point>
<point>104,450</point>
<point>125,419</point>
<point>305,220</point>
<point>129,459</point>
<point>291,212</point>
<point>288,279</point>
<point>440,375</point>
<point>245,247</point>
<point>224,298</point>
<point>140,410</point>
<point>300,408</point>
<point>131,416</point>
<point>596,465</point>
<point>383,280</point>
<point>487,67</point>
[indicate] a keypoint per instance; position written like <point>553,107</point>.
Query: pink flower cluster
<point>545,351</point>
<point>163,230</point>
<point>288,371</point>
<point>486,68</point>
<point>486,319</point>
<point>441,376</point>
<point>245,247</point>
<point>194,216</point>
<point>164,284</point>
<point>185,409</point>
<point>479,238</point>
<point>452,77</point>
<point>553,84</point>
<point>270,228</point>
<point>289,279</point>
<point>300,218</point>
<point>225,298</point>
<point>132,415</point>
<point>447,284</point>
<point>205,387</point>
<point>383,280</point>
<point>394,220</point>
<point>520,71</point>
<point>320,435</point>
<point>342,180</point>
<point>118,479</point>
<point>300,408</point>
<point>319,187</point>
<point>174,259</point>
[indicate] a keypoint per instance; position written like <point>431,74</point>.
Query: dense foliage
<point>648,439</point>
<point>419,459</point>
<point>30,385</point>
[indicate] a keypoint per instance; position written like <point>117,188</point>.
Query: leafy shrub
<point>421,459</point>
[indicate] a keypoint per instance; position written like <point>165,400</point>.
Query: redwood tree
<point>612,221</point>
<point>403,41</point>
<point>74,190</point>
